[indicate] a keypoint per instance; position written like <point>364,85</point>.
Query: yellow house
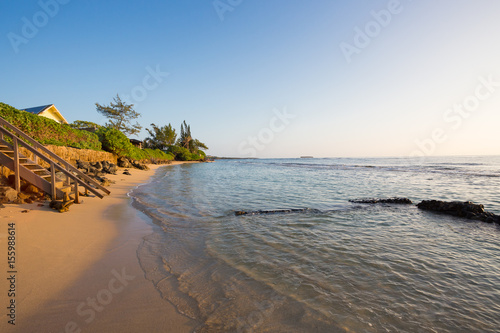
<point>48,111</point>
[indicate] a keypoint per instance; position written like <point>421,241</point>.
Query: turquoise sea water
<point>335,267</point>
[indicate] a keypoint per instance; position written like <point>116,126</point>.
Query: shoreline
<point>79,272</point>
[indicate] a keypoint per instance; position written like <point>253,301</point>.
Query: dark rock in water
<point>467,209</point>
<point>276,211</point>
<point>401,201</point>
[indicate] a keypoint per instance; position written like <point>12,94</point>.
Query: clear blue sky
<point>269,78</point>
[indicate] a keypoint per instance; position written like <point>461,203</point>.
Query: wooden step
<point>33,167</point>
<point>10,152</point>
<point>37,169</point>
<point>21,158</point>
<point>66,188</point>
<point>48,178</point>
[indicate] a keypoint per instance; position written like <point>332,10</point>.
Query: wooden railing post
<point>53,180</point>
<point>77,195</point>
<point>68,179</point>
<point>17,178</point>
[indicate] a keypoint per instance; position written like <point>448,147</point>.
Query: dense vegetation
<point>117,143</point>
<point>48,131</point>
<point>185,148</point>
<point>161,145</point>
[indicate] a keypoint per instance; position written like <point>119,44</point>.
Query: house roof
<point>37,109</point>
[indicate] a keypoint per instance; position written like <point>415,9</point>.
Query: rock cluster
<point>401,201</point>
<point>28,194</point>
<point>125,162</point>
<point>97,169</point>
<point>465,209</point>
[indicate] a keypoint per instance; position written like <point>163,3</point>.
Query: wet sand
<point>78,271</point>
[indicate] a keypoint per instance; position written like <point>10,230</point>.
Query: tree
<point>120,116</point>
<point>186,140</point>
<point>199,145</point>
<point>160,137</point>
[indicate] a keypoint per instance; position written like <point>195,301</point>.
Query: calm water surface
<point>336,267</point>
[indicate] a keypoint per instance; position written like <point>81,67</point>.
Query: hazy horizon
<point>267,79</point>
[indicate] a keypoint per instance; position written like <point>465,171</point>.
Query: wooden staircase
<point>64,187</point>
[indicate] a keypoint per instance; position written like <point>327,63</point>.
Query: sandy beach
<point>78,271</point>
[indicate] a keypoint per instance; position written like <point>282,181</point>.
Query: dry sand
<point>78,271</point>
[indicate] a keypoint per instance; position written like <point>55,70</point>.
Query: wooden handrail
<point>65,167</point>
<point>54,166</point>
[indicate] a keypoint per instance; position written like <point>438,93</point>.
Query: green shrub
<point>115,142</point>
<point>48,131</point>
<point>183,154</point>
<point>158,154</point>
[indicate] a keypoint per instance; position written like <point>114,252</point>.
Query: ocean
<point>333,265</point>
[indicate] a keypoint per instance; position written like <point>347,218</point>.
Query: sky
<point>269,78</point>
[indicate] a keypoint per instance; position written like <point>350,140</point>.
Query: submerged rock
<point>401,201</point>
<point>275,211</point>
<point>465,209</point>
